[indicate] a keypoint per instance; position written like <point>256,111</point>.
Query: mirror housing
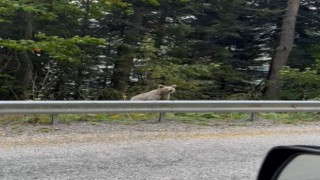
<point>279,157</point>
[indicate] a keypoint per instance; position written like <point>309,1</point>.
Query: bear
<point>162,93</point>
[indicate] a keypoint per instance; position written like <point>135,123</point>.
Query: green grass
<point>45,129</point>
<point>16,128</point>
<point>206,118</point>
<point>23,119</point>
<point>291,118</point>
<point>133,118</point>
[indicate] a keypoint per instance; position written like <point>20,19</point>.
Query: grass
<point>291,118</point>
<point>45,129</point>
<point>205,118</point>
<point>133,118</point>
<point>16,128</point>
<point>23,119</point>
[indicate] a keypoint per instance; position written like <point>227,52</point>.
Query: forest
<point>114,49</point>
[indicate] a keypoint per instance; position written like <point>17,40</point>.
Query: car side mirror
<point>291,163</point>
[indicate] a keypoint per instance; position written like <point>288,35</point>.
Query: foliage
<point>61,50</point>
<point>301,85</point>
<point>6,83</point>
<point>56,47</point>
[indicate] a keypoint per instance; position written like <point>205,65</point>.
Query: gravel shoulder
<point>82,132</point>
<point>146,150</point>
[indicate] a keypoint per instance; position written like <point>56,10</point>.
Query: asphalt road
<point>233,157</point>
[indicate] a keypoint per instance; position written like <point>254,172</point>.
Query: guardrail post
<point>162,116</point>
<point>54,119</point>
<point>253,116</point>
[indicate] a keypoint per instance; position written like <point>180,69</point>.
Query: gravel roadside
<point>146,150</point>
<point>81,132</point>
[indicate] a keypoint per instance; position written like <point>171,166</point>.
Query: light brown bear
<point>162,93</point>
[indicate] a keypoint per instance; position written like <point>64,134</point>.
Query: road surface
<point>150,155</point>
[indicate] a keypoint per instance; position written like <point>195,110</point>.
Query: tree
<point>210,49</point>
<point>132,34</point>
<point>284,48</point>
<point>24,39</point>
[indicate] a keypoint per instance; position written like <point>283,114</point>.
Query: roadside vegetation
<point>206,119</point>
<point>114,49</point>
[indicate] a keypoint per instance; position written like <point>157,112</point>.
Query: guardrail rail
<point>83,107</point>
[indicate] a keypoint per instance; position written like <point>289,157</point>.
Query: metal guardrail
<point>83,107</point>
<point>75,107</point>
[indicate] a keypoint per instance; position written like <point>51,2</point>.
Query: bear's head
<point>167,89</point>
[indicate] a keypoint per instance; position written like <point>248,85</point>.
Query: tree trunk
<point>80,68</point>
<point>283,50</point>
<point>127,52</point>
<point>25,71</point>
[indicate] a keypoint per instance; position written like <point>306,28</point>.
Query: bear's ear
<point>174,86</point>
<point>160,86</point>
